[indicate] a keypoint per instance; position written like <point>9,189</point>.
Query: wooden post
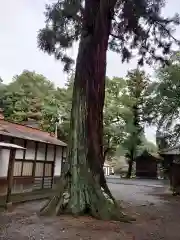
<point>62,160</point>
<point>10,177</point>
<point>24,156</point>
<point>53,167</point>
<point>44,165</point>
<point>34,163</point>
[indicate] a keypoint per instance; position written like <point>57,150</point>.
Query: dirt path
<point>154,222</point>
<point>24,223</point>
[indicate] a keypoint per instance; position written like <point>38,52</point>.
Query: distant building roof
<point>154,156</point>
<point>171,151</point>
<point>29,133</point>
<point>106,165</point>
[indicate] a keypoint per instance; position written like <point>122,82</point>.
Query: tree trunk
<point>130,163</point>
<point>106,151</point>
<point>83,188</point>
<point>130,166</point>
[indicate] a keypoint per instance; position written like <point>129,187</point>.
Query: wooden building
<point>108,170</point>
<point>37,164</point>
<point>11,149</point>
<point>147,165</point>
<point>172,166</point>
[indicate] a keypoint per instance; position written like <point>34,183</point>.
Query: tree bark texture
<point>135,137</point>
<point>130,166</point>
<point>83,188</point>
<point>130,163</point>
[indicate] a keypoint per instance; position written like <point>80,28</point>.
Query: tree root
<point>86,197</point>
<point>53,206</point>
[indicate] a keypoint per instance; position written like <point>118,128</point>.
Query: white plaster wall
<point>50,152</point>
<point>30,150</point>
<point>57,170</point>
<point>108,168</point>
<point>4,162</point>
<point>106,171</point>
<point>41,151</point>
<point>19,152</point>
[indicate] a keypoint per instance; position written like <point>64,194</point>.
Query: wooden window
<point>39,169</point>
<point>19,152</point>
<point>23,168</point>
<point>30,150</point>
<point>48,170</point>
<point>41,152</point>
<point>17,168</point>
<point>27,169</point>
<point>50,152</point>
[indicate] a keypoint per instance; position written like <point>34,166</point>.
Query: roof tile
<point>29,133</point>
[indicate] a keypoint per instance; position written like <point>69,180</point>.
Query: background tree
<point>116,112</point>
<point>120,162</point>
<point>137,83</point>
<point>64,120</point>
<point>131,24</point>
<point>31,96</point>
<point>49,106</point>
<point>163,105</point>
<point>163,110</point>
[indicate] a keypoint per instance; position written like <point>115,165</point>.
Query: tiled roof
<point>154,156</point>
<point>29,133</point>
<point>175,150</point>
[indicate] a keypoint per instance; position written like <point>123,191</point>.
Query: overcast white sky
<point>20,21</point>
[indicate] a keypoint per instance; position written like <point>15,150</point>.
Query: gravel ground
<point>23,223</point>
<point>153,222</point>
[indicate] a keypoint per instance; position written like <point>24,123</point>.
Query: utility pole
<point>56,126</point>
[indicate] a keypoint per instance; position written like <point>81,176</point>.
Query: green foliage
<point>135,25</point>
<point>66,94</point>
<point>32,96</point>
<point>163,106</point>
<point>116,113</point>
<point>124,116</point>
<point>137,84</point>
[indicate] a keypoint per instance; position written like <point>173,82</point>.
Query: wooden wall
<point>146,168</point>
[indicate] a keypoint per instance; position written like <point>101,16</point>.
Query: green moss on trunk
<point>85,197</point>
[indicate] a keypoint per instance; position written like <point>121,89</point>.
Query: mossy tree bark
<point>83,188</point>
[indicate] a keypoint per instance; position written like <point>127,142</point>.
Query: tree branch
<point>168,32</point>
<point>116,36</point>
